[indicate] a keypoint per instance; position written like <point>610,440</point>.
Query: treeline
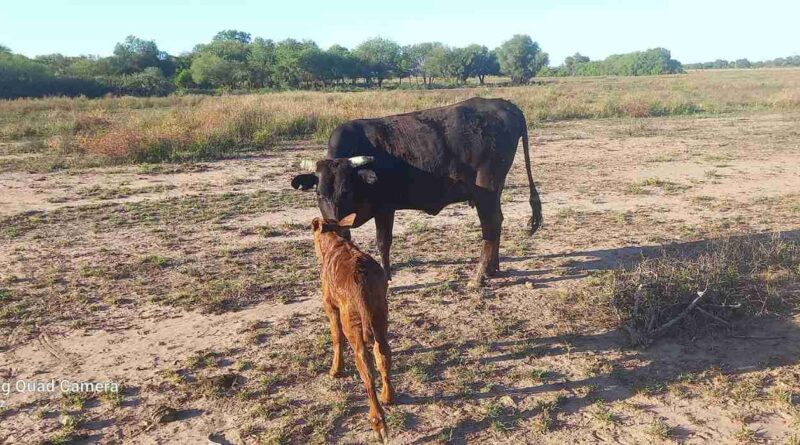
<point>233,60</point>
<point>744,63</point>
<point>639,63</point>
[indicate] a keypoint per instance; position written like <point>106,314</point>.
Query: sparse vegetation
<point>175,290</point>
<point>192,128</point>
<point>702,287</point>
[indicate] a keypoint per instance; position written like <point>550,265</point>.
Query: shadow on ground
<point>770,342</point>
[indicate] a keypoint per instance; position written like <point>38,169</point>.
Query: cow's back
<point>445,141</point>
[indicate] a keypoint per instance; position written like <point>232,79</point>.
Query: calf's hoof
<point>476,282</point>
<point>379,428</point>
<point>387,396</point>
<point>336,374</point>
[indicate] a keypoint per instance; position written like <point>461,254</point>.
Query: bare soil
<point>162,278</point>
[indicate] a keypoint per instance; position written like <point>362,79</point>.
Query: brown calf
<point>354,297</point>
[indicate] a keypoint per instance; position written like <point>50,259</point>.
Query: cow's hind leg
<point>495,263</point>
<point>491,222</point>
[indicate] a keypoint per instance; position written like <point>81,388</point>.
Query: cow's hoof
<point>336,374</point>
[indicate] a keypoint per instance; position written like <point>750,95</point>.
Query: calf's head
<point>320,226</point>
<point>341,186</point>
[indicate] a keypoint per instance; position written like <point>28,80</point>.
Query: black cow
<point>425,160</point>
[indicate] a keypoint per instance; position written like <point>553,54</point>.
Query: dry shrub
<point>736,276</point>
<point>634,107</point>
<point>787,99</point>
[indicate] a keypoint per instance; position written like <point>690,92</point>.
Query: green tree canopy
<point>521,58</point>
<point>135,54</point>
<point>233,35</point>
<point>482,62</point>
<point>380,58</point>
<point>261,62</point>
<point>571,63</point>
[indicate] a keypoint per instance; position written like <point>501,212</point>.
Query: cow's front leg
<point>384,222</point>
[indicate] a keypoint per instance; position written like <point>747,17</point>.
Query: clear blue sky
<point>695,30</point>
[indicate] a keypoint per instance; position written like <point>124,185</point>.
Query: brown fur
<point>354,297</point>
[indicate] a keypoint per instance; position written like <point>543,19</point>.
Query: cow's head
<point>341,186</point>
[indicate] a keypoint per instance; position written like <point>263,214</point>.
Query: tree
<point>521,58</point>
<point>184,79</point>
<point>571,63</point>
<point>639,63</point>
<point>135,54</point>
<point>234,35</point>
<point>5,49</point>
<point>212,70</point>
<point>418,58</point>
<point>742,63</point>
<point>404,63</point>
<point>261,62</point>
<point>380,58</point>
<point>292,60</point>
<point>484,62</point>
<point>436,62</point>
<point>344,64</point>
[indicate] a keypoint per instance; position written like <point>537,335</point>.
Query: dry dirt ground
<point>195,288</point>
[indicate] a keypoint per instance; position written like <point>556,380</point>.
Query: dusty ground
<point>163,278</point>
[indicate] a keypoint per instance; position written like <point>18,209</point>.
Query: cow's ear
<point>305,181</point>
<point>347,221</point>
<point>368,176</point>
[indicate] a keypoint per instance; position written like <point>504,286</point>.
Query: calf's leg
<point>364,365</point>
<point>336,340</point>
<point>383,360</point>
<point>384,222</point>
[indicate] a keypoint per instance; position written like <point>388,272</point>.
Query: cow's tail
<point>536,203</point>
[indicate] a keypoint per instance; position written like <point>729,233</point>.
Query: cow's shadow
<point>580,263</point>
<point>759,343</point>
<point>770,343</point>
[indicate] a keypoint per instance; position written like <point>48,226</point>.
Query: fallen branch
<point>755,337</point>
<point>658,331</point>
<point>710,315</point>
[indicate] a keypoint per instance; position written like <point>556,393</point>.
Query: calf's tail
<point>373,288</point>
<point>536,203</point>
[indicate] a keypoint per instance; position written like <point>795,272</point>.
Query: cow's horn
<point>358,161</point>
<point>308,164</point>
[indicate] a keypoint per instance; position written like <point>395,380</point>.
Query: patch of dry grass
<point>734,275</point>
<point>202,127</point>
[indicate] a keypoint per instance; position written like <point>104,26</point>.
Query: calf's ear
<point>329,227</point>
<point>305,181</point>
<point>368,176</point>
<point>316,224</point>
<point>347,221</point>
